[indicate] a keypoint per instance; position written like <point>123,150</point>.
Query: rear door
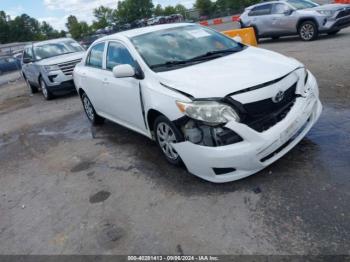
<point>90,76</point>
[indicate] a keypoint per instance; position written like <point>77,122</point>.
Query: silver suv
<point>48,66</point>
<point>296,17</point>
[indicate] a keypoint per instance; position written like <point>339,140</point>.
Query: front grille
<point>343,13</point>
<point>263,114</point>
<point>68,67</point>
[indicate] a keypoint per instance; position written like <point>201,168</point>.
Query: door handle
<point>105,82</point>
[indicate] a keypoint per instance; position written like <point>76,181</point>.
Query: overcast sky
<point>56,11</point>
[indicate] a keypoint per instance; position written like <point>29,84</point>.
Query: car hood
<point>222,76</point>
<point>328,7</point>
<point>61,58</point>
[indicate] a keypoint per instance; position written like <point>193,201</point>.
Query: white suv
<point>224,109</point>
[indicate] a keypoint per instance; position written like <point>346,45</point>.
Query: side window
<point>28,53</point>
<point>279,8</point>
<point>95,57</point>
<point>118,54</point>
<point>261,10</point>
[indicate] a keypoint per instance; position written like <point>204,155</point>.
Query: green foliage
<point>131,10</point>
<point>104,17</point>
<point>77,29</point>
<point>25,28</point>
<point>205,7</point>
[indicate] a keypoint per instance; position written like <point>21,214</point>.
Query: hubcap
<point>44,89</point>
<point>166,137</point>
<point>307,31</point>
<point>88,108</point>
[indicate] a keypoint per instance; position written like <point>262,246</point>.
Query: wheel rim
<point>307,31</point>
<point>165,137</point>
<point>88,108</point>
<point>44,89</point>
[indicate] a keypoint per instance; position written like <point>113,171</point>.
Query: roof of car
<point>266,2</point>
<point>49,41</point>
<point>143,30</point>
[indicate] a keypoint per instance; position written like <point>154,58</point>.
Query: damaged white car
<point>224,109</point>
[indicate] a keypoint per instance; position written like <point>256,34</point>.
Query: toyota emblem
<point>279,97</point>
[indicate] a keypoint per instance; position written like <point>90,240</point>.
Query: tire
<point>44,90</point>
<point>165,133</point>
<point>90,111</point>
<point>333,32</point>
<point>33,89</point>
<point>308,31</point>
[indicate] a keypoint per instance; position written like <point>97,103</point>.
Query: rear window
<point>261,10</point>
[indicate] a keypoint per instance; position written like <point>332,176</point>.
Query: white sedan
<point>224,109</point>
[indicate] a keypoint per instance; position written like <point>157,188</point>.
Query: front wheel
<point>308,31</point>
<point>90,112</point>
<point>166,134</point>
<point>44,90</point>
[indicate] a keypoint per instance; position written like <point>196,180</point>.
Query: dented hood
<point>228,74</point>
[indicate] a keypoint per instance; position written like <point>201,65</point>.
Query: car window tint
<point>117,54</point>
<point>28,53</point>
<point>279,8</point>
<point>95,57</point>
<point>261,10</point>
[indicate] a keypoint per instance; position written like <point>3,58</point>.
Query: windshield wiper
<point>196,59</point>
<point>171,63</point>
<point>214,54</point>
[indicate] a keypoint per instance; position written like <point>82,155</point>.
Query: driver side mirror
<point>125,70</point>
<point>288,12</point>
<point>27,60</point>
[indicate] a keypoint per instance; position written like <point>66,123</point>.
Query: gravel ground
<point>68,188</point>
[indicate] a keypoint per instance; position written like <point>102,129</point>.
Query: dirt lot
<point>67,188</point>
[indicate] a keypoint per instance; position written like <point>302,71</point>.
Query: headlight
<point>328,13</point>
<point>208,111</point>
<point>49,68</point>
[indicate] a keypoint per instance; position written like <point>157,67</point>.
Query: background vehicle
<point>87,41</point>
<point>226,110</point>
<point>9,64</point>
<point>49,65</point>
<point>296,17</point>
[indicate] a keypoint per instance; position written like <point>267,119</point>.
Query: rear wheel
<point>333,32</point>
<point>308,31</point>
<point>166,134</point>
<point>44,90</point>
<point>90,112</point>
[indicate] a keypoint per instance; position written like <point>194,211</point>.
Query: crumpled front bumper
<point>335,24</point>
<point>257,150</point>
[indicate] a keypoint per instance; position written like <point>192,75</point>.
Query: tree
<point>204,6</point>
<point>48,32</point>
<point>181,9</point>
<point>131,10</point>
<point>104,16</point>
<point>4,27</point>
<point>158,11</point>
<point>24,28</point>
<point>169,10</point>
<point>77,29</point>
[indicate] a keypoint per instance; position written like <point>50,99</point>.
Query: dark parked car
<point>8,64</point>
<point>86,42</point>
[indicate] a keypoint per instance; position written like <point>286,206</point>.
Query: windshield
<point>302,4</point>
<point>175,46</point>
<point>56,49</point>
